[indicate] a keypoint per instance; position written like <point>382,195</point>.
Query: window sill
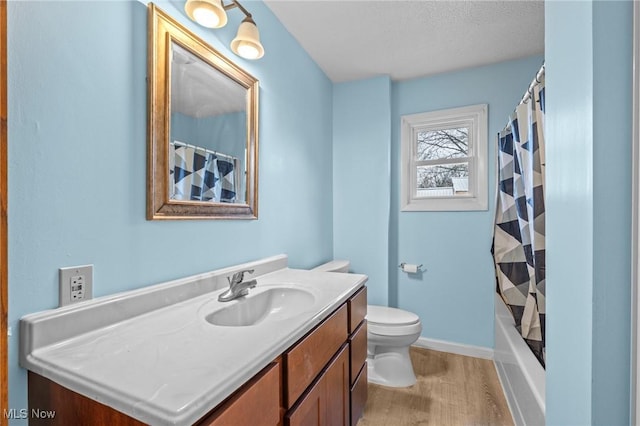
<point>446,204</point>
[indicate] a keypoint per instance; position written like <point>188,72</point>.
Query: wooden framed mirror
<point>202,160</point>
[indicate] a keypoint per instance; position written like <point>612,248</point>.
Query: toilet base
<point>390,366</point>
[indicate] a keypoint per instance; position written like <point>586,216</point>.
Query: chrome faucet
<point>237,287</point>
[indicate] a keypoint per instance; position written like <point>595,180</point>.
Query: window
<point>444,160</point>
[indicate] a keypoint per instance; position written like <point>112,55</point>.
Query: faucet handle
<point>239,276</point>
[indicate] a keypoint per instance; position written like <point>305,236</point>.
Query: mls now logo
<point>23,413</point>
<point>37,413</point>
<point>14,413</point>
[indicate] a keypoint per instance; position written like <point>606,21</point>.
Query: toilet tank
<point>333,266</point>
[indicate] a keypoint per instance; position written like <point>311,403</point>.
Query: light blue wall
<point>361,135</point>
<point>612,152</point>
<point>569,150</point>
<point>77,132</point>
<point>226,133</point>
<point>455,296</point>
<point>588,57</point>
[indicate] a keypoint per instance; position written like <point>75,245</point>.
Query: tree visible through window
<point>444,159</point>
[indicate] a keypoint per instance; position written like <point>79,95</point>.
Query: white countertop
<point>169,365</point>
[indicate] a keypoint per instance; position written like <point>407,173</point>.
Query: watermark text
<point>23,413</point>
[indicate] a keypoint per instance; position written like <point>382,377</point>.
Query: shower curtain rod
<point>538,79</point>
<point>208,151</point>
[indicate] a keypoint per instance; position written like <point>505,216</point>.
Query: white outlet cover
<point>66,275</point>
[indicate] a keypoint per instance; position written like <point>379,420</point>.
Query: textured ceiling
<point>199,90</point>
<point>357,39</point>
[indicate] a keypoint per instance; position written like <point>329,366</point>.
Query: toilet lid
<point>390,316</point>
<point>333,266</point>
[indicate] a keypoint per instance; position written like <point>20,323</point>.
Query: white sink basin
<point>274,304</point>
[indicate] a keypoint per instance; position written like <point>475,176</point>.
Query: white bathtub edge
<point>521,375</point>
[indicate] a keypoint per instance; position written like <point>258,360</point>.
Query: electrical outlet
<point>76,284</point>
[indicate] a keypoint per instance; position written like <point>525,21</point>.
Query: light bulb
<point>247,50</point>
<point>208,13</point>
<point>206,17</point>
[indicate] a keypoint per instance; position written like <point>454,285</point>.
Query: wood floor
<point>451,390</point>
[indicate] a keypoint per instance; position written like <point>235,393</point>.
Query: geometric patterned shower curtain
<point>519,232</point>
<point>197,174</point>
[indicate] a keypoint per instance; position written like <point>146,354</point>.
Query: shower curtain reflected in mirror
<point>519,233</point>
<point>198,174</point>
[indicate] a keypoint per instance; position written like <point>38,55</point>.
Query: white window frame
<point>474,117</point>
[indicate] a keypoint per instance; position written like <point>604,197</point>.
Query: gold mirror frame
<point>163,30</point>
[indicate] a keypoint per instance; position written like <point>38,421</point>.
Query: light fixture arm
<point>235,3</point>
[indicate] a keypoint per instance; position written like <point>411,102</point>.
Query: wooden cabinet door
<point>257,403</point>
<point>309,410</point>
<point>337,388</point>
<point>326,403</point>
<point>359,396</point>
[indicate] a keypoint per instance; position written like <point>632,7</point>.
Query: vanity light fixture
<point>212,14</point>
<point>208,13</point>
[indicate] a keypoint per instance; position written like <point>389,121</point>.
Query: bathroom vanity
<point>292,352</point>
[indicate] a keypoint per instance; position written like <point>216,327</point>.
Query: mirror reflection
<point>207,146</point>
<point>203,128</point>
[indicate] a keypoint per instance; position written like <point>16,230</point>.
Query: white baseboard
<point>454,348</point>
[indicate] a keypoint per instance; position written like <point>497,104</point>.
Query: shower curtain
<point>200,175</point>
<point>519,232</point>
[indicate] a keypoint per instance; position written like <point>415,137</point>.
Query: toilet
<point>390,332</point>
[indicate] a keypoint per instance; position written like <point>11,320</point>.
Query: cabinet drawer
<point>309,356</point>
<point>357,308</point>
<point>256,403</point>
<point>359,395</point>
<point>358,350</point>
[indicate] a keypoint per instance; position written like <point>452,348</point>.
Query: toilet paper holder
<point>403,264</point>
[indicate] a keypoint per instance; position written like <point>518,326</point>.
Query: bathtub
<point>521,375</point>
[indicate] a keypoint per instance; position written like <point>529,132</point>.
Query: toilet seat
<point>386,321</point>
